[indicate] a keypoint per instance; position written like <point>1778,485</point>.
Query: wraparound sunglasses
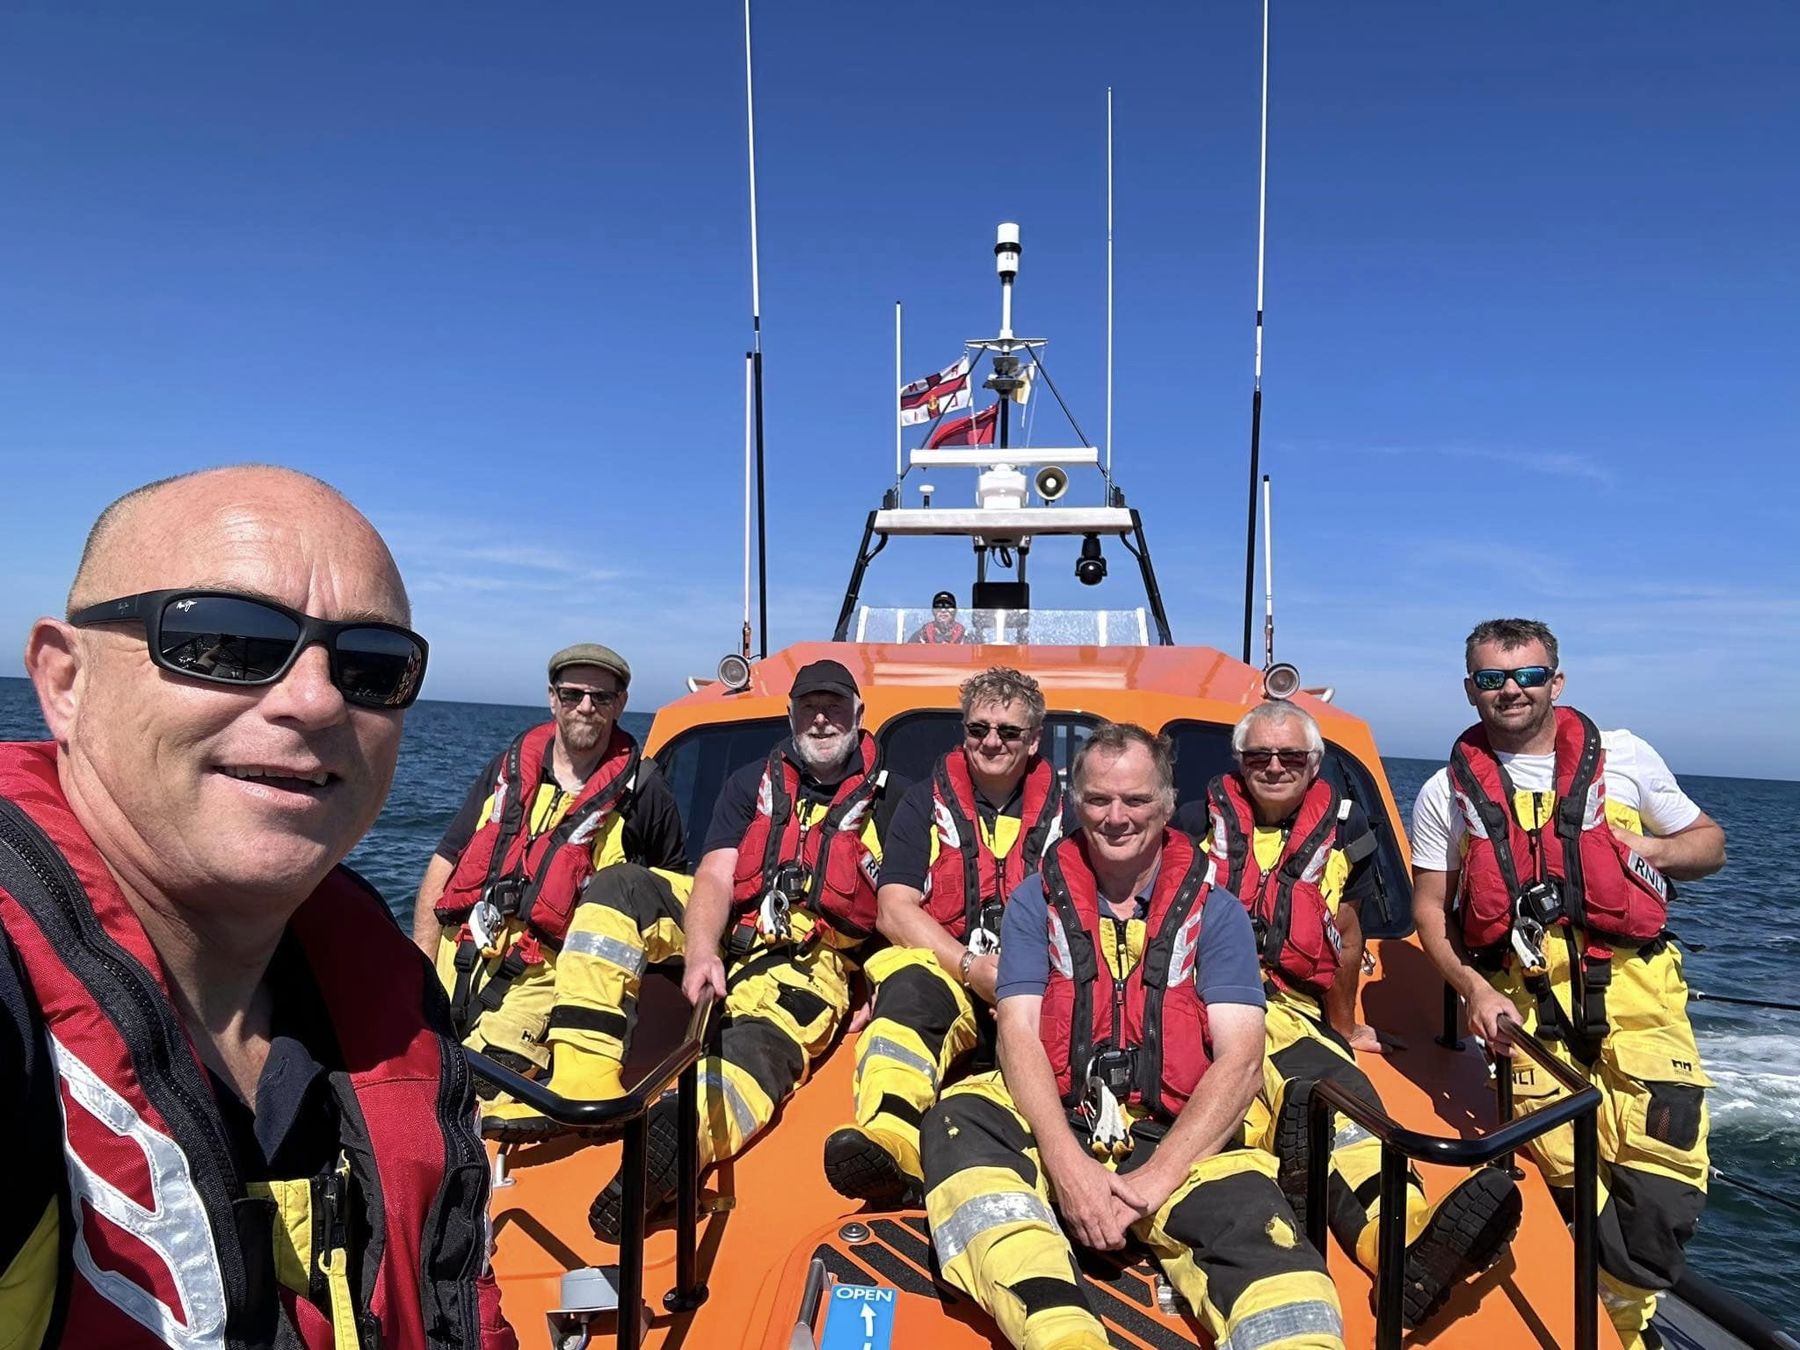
<point>226,638</point>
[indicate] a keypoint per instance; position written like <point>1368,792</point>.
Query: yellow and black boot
<point>576,1074</point>
<point>865,1162</point>
<point>1463,1234</point>
<point>606,1216</point>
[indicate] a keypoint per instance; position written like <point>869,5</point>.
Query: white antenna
<point>1109,281</point>
<point>749,444</point>
<point>1268,578</point>
<point>750,114</point>
<point>1262,219</point>
<point>899,384</point>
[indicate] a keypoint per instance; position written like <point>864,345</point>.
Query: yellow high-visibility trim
<point>28,1286</point>
<point>293,1230</point>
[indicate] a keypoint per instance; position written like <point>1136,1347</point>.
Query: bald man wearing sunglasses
<point>235,1109</point>
<point>1300,855</point>
<point>1558,843</point>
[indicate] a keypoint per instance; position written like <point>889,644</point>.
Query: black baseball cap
<point>943,598</point>
<point>824,677</point>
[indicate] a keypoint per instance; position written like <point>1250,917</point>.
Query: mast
<point>1268,578</point>
<point>756,363</point>
<point>1262,218</point>
<point>1109,284</point>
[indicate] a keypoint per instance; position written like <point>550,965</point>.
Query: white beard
<point>823,758</point>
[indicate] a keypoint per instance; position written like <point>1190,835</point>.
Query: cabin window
<point>1203,751</point>
<point>698,762</point>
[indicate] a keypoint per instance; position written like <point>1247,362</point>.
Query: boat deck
<point>766,1214</point>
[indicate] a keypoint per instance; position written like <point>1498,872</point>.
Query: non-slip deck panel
<point>898,1254</point>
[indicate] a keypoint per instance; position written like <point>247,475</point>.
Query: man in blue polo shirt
<point>1130,1015</point>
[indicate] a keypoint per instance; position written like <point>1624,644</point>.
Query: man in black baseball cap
<point>942,625</point>
<point>784,895</point>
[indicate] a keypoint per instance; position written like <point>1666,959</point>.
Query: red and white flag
<point>928,399</point>
<point>969,429</point>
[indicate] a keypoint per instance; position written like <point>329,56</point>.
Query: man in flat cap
<point>506,906</point>
<point>784,896</point>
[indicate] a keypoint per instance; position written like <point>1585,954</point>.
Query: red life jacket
<point>155,1203</point>
<point>1157,1012</point>
<point>932,633</point>
<point>1295,931</point>
<point>538,880</point>
<point>1606,888</point>
<point>841,870</point>
<point>967,878</point>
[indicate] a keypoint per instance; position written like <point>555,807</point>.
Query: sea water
<point>1740,929</point>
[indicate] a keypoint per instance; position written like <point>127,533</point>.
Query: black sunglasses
<point>226,638</point>
<point>570,697</point>
<point>978,731</point>
<point>1259,759</point>
<point>1526,677</point>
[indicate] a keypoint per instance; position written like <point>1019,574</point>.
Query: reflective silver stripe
<point>622,954</point>
<point>174,1228</point>
<point>974,1217</point>
<point>714,1080</point>
<point>900,1054</point>
<point>1349,1133</point>
<point>1315,1317</point>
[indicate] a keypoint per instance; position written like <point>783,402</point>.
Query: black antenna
<point>756,369</point>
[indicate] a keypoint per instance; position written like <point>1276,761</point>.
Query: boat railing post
<point>1503,1097</point>
<point>1318,1170</point>
<point>689,1293</point>
<point>1451,1038</point>
<point>631,1235</point>
<point>1390,1240</point>
<point>1587,1292</point>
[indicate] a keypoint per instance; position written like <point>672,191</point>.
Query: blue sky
<point>1533,279</point>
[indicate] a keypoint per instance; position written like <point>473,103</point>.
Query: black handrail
<point>1399,1143</point>
<point>628,1112</point>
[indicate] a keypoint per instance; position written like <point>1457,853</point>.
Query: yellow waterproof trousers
<point>1652,1123</point>
<point>782,1006</point>
<point>1225,1238</point>
<point>921,1025</point>
<point>521,1030</point>
<point>1300,1050</point>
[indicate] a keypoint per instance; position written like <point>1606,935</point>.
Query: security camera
<point>1051,482</point>
<point>1090,567</point>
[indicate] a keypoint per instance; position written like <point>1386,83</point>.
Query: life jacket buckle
<point>984,941</point>
<point>530,950</point>
<point>1101,1115</point>
<point>1528,945</point>
<point>485,924</point>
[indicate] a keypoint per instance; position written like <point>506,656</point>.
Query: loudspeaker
<point>1051,482</point>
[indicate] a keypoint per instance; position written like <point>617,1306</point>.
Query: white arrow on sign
<point>868,1323</point>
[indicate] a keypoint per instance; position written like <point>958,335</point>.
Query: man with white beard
<point>784,895</point>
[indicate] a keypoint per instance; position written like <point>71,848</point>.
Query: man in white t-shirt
<point>1580,963</point>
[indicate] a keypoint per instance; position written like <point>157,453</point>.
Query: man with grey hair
<point>272,1102</point>
<point>1299,853</point>
<point>1542,857</point>
<point>783,897</point>
<point>1130,1046</point>
<point>960,843</point>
